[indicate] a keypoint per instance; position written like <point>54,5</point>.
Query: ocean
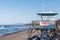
<point>11,29</point>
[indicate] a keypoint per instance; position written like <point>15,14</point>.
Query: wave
<point>3,28</point>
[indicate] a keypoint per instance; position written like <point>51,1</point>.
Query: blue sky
<point>24,11</point>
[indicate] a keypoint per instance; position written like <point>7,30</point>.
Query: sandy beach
<point>23,35</point>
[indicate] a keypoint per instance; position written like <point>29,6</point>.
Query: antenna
<point>43,6</point>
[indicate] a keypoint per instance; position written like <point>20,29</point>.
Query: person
<point>57,31</point>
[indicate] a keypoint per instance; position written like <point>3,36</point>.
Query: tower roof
<point>47,13</point>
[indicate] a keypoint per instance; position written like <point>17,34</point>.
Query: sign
<point>44,23</point>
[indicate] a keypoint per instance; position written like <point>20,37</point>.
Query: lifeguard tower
<point>47,23</point>
<point>48,19</point>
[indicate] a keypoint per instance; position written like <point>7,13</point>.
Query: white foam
<point>3,28</point>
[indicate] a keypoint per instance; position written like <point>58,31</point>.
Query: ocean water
<point>11,29</point>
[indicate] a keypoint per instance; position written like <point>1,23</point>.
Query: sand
<point>16,36</point>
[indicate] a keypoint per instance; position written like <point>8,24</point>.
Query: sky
<point>25,11</point>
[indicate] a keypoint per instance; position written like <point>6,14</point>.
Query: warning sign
<point>44,23</point>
